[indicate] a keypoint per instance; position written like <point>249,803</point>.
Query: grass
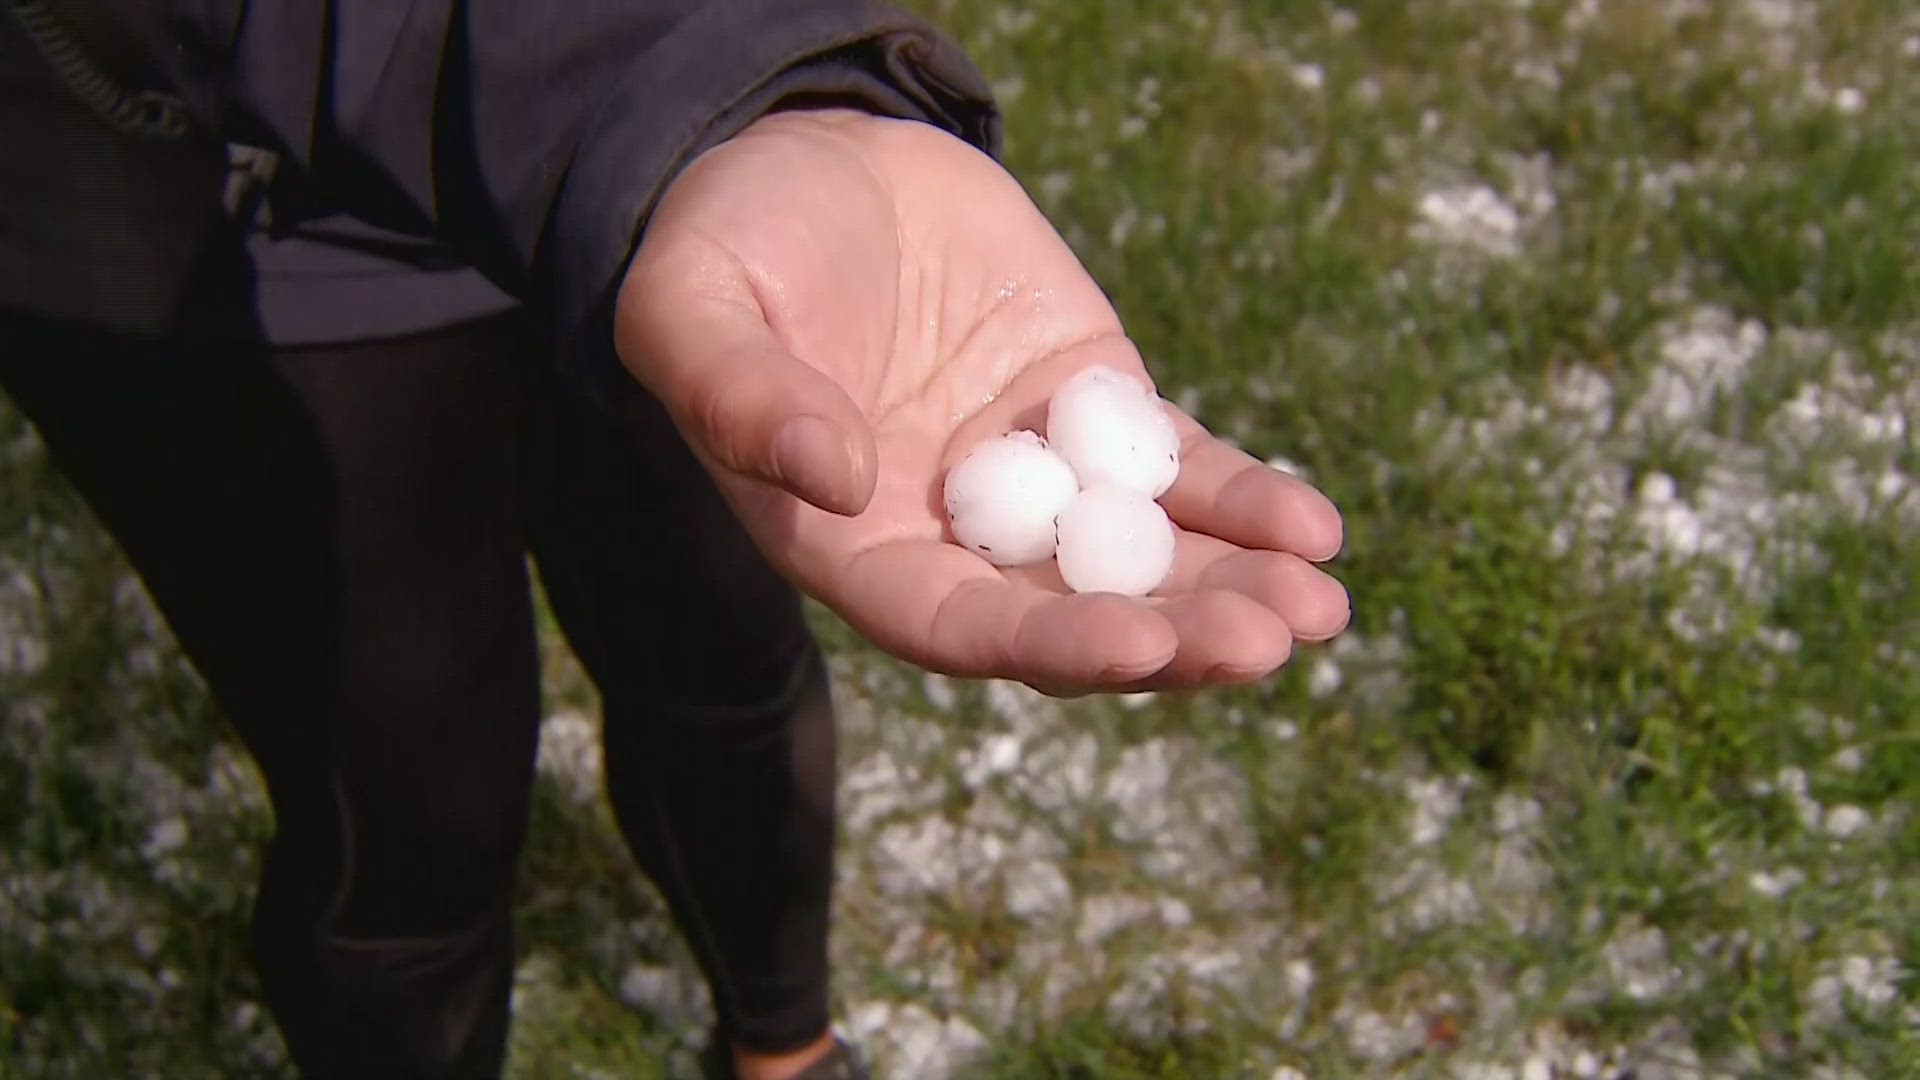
<point>1600,783</point>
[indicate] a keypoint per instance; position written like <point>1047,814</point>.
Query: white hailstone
<point>1003,497</point>
<point>1113,431</point>
<point>1114,540</point>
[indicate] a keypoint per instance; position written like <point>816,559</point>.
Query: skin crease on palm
<point>898,284</point>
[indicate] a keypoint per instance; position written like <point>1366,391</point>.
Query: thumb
<point>748,405</point>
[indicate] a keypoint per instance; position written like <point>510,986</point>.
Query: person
<point>694,300</point>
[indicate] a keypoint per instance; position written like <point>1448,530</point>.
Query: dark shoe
<point>840,1063</point>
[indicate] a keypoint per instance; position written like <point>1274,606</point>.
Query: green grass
<point>1612,732</point>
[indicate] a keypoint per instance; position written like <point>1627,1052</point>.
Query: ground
<point>1600,320</point>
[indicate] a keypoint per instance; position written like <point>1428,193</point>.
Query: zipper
<point>143,114</point>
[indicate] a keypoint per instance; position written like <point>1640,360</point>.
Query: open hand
<point>834,307</point>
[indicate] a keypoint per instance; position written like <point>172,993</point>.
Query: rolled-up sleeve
<point>534,139</point>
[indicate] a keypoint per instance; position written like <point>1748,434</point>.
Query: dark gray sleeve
<point>535,137</point>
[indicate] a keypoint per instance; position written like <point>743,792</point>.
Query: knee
<point>428,859</point>
<point>732,696</point>
<point>726,659</point>
<point>431,794</point>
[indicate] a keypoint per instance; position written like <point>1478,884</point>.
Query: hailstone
<point>1112,539</point>
<point>1114,433</point>
<point>1003,497</point>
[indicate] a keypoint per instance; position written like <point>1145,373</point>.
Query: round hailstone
<point>1113,432</point>
<point>1114,540</point>
<point>1003,497</point>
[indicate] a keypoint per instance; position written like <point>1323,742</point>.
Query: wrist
<point>823,118</point>
<point>878,140</point>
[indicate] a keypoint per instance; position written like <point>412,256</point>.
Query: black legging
<point>338,537</point>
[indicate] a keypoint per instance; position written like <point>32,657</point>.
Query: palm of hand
<point>914,275</point>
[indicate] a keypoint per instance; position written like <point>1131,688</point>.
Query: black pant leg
<point>437,730</point>
<point>335,537</point>
<point>719,727</point>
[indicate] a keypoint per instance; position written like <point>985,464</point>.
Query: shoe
<point>839,1063</point>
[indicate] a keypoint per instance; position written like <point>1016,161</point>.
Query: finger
<point>1230,622</point>
<point>1225,638</point>
<point>1226,492</point>
<point>746,403</point>
<point>1193,553</point>
<point>1311,602</point>
<point>941,607</point>
<point>1314,606</point>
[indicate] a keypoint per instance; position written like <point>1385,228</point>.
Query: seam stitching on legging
<point>343,889</point>
<point>782,700</point>
<point>695,910</point>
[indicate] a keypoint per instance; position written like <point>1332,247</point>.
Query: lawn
<point>1600,319</point>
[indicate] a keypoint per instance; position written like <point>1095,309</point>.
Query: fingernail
<point>1336,528</point>
<point>810,454</point>
<point>1236,674</point>
<point>1334,627</point>
<point>1131,670</point>
<point>1328,549</point>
